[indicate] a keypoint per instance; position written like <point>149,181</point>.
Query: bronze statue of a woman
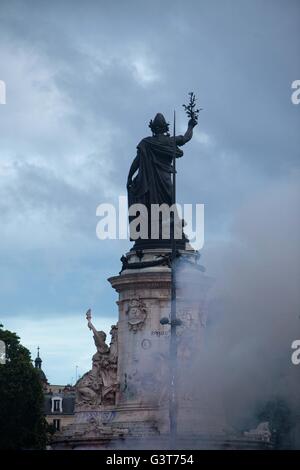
<point>153,162</point>
<point>153,165</point>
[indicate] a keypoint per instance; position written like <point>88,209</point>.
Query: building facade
<point>59,400</point>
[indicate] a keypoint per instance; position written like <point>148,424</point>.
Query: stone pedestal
<point>143,345</point>
<point>139,418</point>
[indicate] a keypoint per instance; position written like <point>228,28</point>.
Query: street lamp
<point>173,322</point>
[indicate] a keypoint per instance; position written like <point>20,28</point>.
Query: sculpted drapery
<point>153,165</point>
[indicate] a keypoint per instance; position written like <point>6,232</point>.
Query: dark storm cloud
<point>83,80</point>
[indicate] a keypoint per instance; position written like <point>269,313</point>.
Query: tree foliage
<point>22,422</point>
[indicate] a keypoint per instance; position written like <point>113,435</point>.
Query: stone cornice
<point>153,280</point>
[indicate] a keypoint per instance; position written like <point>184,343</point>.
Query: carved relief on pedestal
<point>189,320</point>
<point>137,314</point>
<point>188,333</point>
<point>93,429</point>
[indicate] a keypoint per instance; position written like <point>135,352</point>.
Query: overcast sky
<point>83,80</point>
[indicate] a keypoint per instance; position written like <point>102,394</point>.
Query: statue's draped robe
<point>153,183</point>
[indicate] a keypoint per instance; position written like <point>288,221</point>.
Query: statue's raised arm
<point>99,336</point>
<point>183,139</point>
<point>89,319</point>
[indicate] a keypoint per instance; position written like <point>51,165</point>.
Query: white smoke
<point>254,310</point>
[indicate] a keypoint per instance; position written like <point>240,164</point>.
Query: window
<point>56,405</point>
<point>56,424</point>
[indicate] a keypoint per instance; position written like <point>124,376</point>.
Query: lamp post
<point>174,321</point>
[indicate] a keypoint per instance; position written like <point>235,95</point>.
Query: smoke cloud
<point>253,313</point>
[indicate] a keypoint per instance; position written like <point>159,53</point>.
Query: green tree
<point>22,422</point>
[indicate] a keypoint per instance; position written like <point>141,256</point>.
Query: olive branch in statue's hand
<point>191,111</point>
